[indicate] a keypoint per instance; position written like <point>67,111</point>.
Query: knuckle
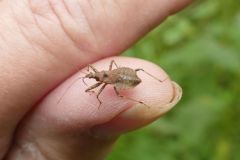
<point>66,19</point>
<point>48,26</point>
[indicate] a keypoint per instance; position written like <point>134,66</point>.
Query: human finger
<point>77,128</point>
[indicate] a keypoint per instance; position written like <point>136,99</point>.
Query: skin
<point>43,43</point>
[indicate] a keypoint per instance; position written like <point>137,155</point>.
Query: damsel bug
<point>121,78</point>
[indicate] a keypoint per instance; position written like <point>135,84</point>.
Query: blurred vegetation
<point>200,49</point>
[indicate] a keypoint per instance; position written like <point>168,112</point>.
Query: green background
<point>200,49</point>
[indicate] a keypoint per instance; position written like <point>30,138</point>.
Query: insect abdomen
<point>127,78</point>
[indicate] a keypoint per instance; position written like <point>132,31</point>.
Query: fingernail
<point>136,117</point>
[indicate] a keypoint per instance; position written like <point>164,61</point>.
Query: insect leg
<point>93,68</point>
<point>119,95</point>
<point>98,94</point>
<point>93,86</point>
<point>111,64</point>
<point>140,69</point>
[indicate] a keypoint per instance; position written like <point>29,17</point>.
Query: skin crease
<point>42,43</point>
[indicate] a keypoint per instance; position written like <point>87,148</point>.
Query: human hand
<point>43,43</point>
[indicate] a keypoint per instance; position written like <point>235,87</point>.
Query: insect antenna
<point>83,78</point>
<point>70,87</point>
<point>140,69</point>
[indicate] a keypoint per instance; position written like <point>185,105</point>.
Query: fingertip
<point>136,117</point>
<point>78,109</point>
<point>78,118</point>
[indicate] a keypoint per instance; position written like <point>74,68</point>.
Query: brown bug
<point>121,78</point>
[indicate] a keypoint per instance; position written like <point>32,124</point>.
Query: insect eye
<point>105,75</point>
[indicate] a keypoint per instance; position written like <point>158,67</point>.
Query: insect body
<point>120,78</point>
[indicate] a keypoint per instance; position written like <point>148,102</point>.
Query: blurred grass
<point>200,49</point>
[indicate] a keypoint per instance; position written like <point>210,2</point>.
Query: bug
<point>121,78</point>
